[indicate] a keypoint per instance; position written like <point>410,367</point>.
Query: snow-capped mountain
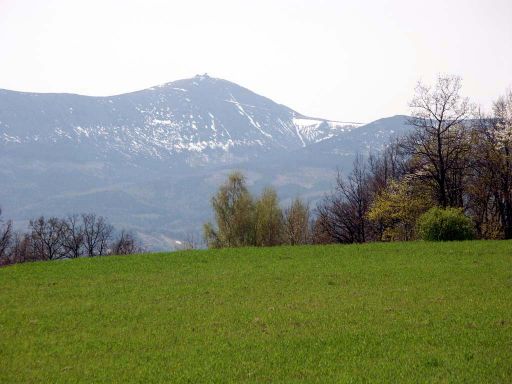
<point>203,117</point>
<point>151,160</point>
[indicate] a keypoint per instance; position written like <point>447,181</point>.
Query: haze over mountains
<point>150,160</point>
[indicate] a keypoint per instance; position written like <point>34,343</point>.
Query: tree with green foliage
<point>268,219</point>
<point>234,215</point>
<point>445,224</point>
<point>297,223</point>
<point>397,208</point>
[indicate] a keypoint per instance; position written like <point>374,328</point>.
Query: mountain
<point>150,160</point>
<point>196,120</point>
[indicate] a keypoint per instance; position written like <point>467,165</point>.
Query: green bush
<point>439,224</point>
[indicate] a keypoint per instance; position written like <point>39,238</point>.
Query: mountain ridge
<point>258,114</point>
<point>150,160</point>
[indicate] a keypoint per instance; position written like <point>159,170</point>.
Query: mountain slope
<point>200,119</point>
<point>150,160</point>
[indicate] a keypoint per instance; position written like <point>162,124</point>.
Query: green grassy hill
<point>409,312</point>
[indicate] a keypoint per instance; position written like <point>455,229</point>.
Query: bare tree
<point>73,240</point>
<point>97,234</point>
<point>126,244</point>
<point>440,144</point>
<point>297,223</point>
<point>21,250</point>
<point>491,182</point>
<point>71,237</point>
<point>6,235</point>
<point>391,164</point>
<point>343,214</point>
<point>503,161</point>
<point>319,230</point>
<point>46,236</point>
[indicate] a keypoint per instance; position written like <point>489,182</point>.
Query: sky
<point>336,59</point>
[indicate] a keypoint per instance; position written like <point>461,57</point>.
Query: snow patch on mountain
<point>202,115</point>
<point>315,130</point>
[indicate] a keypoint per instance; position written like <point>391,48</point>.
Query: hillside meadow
<point>394,312</point>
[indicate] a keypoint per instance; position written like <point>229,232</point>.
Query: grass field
<point>398,312</point>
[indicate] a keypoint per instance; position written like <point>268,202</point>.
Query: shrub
<point>447,224</point>
<point>397,208</point>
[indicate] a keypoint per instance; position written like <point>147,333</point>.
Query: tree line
<point>243,220</point>
<point>456,157</point>
<point>453,169</point>
<point>456,161</point>
<point>74,236</point>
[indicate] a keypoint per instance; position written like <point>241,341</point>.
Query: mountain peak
<point>203,77</point>
<point>207,117</point>
<point>151,159</point>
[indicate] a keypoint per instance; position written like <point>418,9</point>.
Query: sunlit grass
<point>398,312</point>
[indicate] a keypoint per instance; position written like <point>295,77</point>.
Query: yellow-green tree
<point>234,215</point>
<point>268,219</point>
<point>397,208</point>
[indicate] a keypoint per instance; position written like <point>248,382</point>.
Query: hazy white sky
<point>345,60</point>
